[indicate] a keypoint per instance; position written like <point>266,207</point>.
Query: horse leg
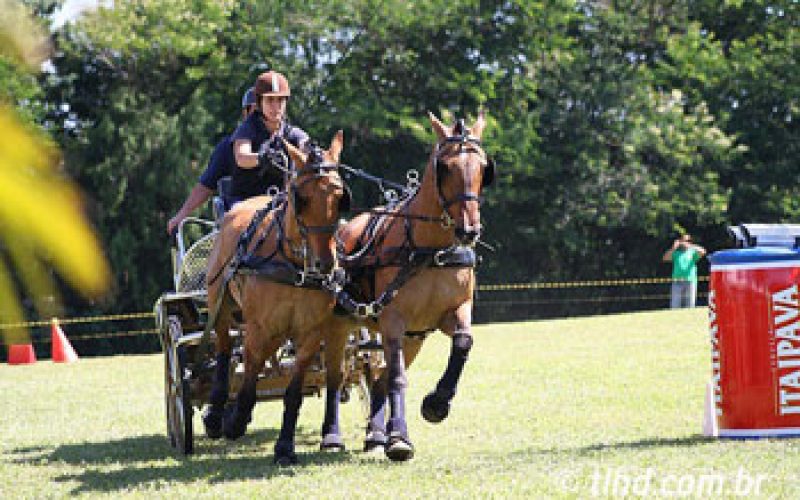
<point>398,444</point>
<point>436,405</point>
<point>376,426</point>
<point>334,374</point>
<point>293,399</point>
<point>240,413</point>
<point>212,417</point>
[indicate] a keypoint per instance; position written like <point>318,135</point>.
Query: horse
<point>274,277</point>
<point>414,265</point>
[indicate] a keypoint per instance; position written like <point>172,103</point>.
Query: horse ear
<point>442,132</point>
<point>298,157</point>
<point>476,130</point>
<point>336,146</point>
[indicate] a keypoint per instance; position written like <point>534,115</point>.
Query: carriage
<point>405,279</point>
<point>181,317</point>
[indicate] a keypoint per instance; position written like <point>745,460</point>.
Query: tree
<point>614,123</point>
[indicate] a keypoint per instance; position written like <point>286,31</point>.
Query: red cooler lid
<point>759,257</point>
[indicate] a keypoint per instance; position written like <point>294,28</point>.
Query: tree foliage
<point>615,124</point>
<point>42,223</point>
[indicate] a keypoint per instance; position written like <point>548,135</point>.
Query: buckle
<point>300,278</point>
<point>437,258</point>
<point>330,284</point>
<point>368,310</point>
<point>447,221</point>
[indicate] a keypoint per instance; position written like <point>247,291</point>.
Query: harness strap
<point>421,335</point>
<point>448,257</point>
<point>230,270</point>
<point>283,273</point>
<point>369,239</point>
<point>204,347</point>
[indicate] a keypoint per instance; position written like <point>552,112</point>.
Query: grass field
<point>575,408</point>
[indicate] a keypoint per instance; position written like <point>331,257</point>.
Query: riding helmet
<point>249,98</point>
<point>272,83</point>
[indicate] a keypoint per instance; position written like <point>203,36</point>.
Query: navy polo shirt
<point>248,182</point>
<point>221,164</point>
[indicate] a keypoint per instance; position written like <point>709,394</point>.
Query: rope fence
<point>579,284</point>
<point>524,296</point>
<point>665,296</point>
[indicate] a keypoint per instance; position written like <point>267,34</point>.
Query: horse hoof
<point>212,421</point>
<point>234,424</point>
<point>233,432</point>
<point>399,448</point>
<point>332,442</point>
<point>376,440</point>
<point>435,408</point>
<point>285,460</point>
<point>284,454</point>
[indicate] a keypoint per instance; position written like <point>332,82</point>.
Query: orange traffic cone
<point>21,354</point>
<point>62,351</point>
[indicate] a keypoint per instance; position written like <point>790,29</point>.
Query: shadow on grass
<point>150,459</point>
<point>641,444</point>
<point>140,449</point>
<point>210,469</point>
<point>686,441</point>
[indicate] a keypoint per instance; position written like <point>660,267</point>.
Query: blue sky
<point>71,10</point>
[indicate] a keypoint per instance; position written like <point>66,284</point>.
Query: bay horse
<point>276,283</point>
<point>414,265</point>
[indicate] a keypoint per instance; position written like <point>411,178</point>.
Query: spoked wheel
<point>363,386</point>
<point>369,357</point>
<point>168,406</point>
<point>178,391</point>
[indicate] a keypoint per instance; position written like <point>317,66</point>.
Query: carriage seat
<point>192,272</point>
<point>222,200</point>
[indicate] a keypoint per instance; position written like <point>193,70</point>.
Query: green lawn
<point>564,408</point>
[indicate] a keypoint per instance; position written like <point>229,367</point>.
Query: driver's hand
<point>269,156</point>
<point>172,225</point>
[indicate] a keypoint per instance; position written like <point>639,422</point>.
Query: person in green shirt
<point>684,256</point>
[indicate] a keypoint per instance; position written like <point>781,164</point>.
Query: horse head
<point>461,170</point>
<point>317,195</point>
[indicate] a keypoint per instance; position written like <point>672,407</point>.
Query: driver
<point>259,138</point>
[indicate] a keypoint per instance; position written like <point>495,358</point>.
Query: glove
<point>269,157</point>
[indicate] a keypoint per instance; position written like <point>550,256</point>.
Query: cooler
<point>754,314</point>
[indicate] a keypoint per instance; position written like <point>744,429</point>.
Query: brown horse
<point>415,268</point>
<point>276,281</point>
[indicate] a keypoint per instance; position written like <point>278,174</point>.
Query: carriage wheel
<point>363,387</point>
<point>168,406</point>
<point>177,391</point>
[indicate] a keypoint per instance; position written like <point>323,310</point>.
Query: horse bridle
<point>462,139</point>
<point>317,167</point>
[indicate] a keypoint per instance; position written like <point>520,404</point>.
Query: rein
<point>410,190</point>
<point>424,218</point>
<point>380,181</point>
